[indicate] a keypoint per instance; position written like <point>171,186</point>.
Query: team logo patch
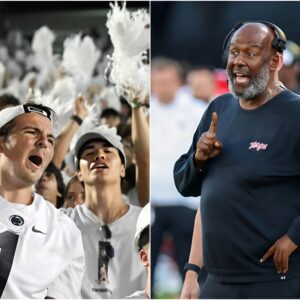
<point>16,220</point>
<point>258,146</point>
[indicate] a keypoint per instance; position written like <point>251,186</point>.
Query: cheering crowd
<point>74,137</point>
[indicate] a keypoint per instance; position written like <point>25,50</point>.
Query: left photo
<point>74,150</point>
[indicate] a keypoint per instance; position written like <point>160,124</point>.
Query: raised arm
<point>140,139</point>
<point>190,167</point>
<point>64,139</point>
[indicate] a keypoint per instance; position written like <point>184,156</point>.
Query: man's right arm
<point>188,170</point>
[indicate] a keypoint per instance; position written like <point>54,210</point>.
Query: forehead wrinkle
<point>34,120</point>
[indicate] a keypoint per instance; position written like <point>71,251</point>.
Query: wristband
<point>77,119</point>
<point>138,104</point>
<point>192,267</point>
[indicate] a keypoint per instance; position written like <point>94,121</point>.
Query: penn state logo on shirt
<point>16,220</point>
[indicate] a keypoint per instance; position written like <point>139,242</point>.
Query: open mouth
<point>99,166</point>
<point>36,160</point>
<point>241,78</point>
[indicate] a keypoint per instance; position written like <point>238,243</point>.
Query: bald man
<point>244,162</point>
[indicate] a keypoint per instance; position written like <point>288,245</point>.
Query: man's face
<point>165,84</point>
<point>47,187</point>
<point>75,194</point>
<point>248,67</point>
<point>100,162</point>
<point>27,150</point>
<point>203,84</point>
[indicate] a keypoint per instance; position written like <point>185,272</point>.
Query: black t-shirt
<point>250,193</point>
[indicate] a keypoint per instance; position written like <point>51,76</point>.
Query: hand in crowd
<point>208,146</point>
<point>190,289</point>
<point>281,250</point>
<point>80,108</point>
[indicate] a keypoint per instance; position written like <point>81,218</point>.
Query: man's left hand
<point>281,251</point>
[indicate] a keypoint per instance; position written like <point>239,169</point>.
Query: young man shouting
<point>41,252</point>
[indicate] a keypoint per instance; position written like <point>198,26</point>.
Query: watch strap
<point>192,267</point>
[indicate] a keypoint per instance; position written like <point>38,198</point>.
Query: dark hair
<point>144,238</point>
<point>8,100</point>
<point>60,182</point>
<point>129,181</point>
<point>109,112</point>
<point>7,128</point>
<point>124,130</point>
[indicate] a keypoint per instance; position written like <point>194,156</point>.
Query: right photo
<point>225,150</point>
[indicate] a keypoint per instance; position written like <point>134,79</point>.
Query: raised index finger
<point>214,123</point>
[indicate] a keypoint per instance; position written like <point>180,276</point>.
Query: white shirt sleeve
<point>68,284</point>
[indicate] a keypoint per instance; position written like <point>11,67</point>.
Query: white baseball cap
<point>102,132</point>
<point>10,113</point>
<point>142,222</point>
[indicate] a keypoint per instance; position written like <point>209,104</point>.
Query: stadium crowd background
<point>22,75</point>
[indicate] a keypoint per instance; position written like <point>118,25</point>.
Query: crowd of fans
<point>77,87</point>
<point>21,81</point>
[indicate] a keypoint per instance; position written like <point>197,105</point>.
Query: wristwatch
<point>192,267</point>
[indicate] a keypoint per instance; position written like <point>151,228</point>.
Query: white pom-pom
<point>44,60</point>
<point>42,46</point>
<point>79,59</point>
<point>129,32</point>
<point>108,98</point>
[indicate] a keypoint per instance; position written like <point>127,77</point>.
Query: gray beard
<point>257,85</point>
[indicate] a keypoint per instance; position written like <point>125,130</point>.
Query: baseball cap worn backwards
<point>103,133</point>
<point>10,113</point>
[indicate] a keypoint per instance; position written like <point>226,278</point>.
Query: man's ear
<point>276,62</point>
<point>123,172</point>
<point>78,173</point>
<point>144,257</point>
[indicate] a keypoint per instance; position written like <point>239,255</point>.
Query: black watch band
<point>192,267</point>
<point>77,119</point>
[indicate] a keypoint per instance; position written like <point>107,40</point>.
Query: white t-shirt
<point>172,129</point>
<point>138,295</point>
<point>41,251</point>
<point>109,278</point>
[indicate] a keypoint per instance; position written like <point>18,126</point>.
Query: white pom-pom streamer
<point>129,32</point>
<point>79,59</point>
<point>42,46</point>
